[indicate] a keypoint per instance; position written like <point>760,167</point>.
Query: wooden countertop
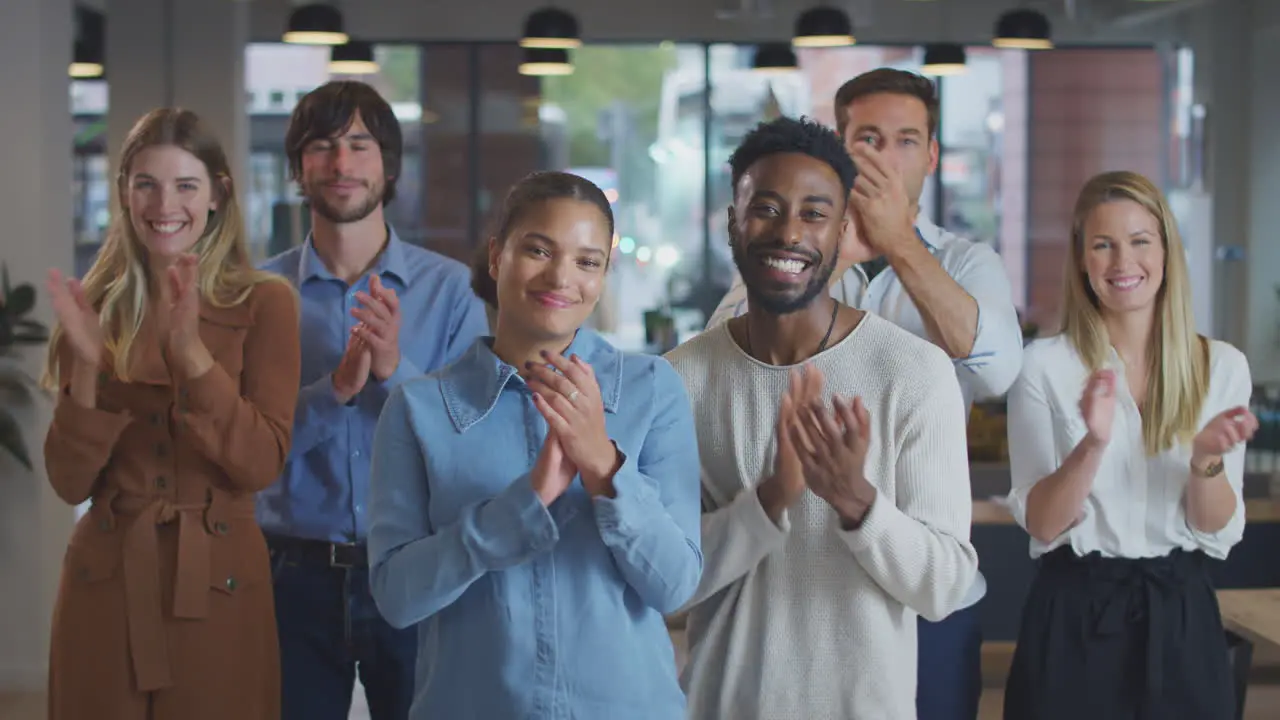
<point>990,512</point>
<point>1253,614</point>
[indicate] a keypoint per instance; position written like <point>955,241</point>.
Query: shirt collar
<point>390,262</point>
<point>934,237</point>
<point>472,385</point>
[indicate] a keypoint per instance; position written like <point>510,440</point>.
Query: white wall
<point>35,202</point>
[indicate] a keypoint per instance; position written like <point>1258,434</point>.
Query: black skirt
<point>1120,639</point>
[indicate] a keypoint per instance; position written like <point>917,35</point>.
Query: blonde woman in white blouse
<point>1126,444</point>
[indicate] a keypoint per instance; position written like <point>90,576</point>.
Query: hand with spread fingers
<point>379,316</point>
<point>80,323</point>
<point>571,403</point>
<point>1224,432</point>
<point>832,445</point>
<point>879,197</point>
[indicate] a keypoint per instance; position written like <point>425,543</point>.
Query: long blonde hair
<point>1177,357</point>
<point>118,282</point>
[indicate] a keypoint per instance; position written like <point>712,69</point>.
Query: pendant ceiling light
<point>1023,29</point>
<point>352,58</point>
<point>823,26</point>
<point>943,59</point>
<point>774,59</point>
<point>88,56</point>
<point>551,28</point>
<point>316,24</point>
<point>546,61</point>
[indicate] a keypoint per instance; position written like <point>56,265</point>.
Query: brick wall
<point>1090,111</point>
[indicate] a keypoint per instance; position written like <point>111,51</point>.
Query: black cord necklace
<point>835,310</point>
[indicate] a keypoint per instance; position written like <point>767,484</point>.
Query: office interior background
<point>1183,91</point>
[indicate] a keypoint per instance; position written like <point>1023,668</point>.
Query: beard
<point>781,302</point>
<point>341,215</point>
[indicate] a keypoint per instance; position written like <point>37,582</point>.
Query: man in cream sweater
<point>836,500</point>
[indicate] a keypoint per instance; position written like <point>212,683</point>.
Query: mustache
<point>777,244</point>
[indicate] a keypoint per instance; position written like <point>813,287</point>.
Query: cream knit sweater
<point>802,620</point>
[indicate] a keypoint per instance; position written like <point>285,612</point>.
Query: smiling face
<point>550,268</point>
<point>785,225</point>
<point>170,197</point>
<point>1123,256</point>
<point>343,177</point>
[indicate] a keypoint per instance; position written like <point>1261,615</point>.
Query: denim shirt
<point>526,611</point>
<point>323,491</point>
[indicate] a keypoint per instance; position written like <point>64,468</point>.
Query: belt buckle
<point>333,555</point>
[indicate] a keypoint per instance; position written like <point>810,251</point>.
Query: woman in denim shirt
<point>536,504</point>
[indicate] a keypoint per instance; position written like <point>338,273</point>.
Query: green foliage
<point>400,71</point>
<point>602,76</point>
<point>15,386</point>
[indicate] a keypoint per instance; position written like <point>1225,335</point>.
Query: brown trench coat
<point>165,606</point>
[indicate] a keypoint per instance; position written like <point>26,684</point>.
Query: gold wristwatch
<point>1213,469</point>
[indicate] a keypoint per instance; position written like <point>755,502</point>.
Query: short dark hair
<point>887,80</point>
<point>788,135</point>
<point>329,110</point>
<point>533,190</point>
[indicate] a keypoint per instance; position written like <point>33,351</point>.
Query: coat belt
<point>148,641</point>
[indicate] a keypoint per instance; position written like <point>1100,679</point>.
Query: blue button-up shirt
<point>324,490</point>
<point>528,611</point>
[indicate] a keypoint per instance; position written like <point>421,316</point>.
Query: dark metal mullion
<point>473,144</point>
<point>707,199</point>
<point>938,204</point>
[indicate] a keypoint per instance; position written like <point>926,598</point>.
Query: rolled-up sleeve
<point>996,358</point>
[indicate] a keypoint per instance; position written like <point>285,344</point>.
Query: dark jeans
<point>949,681</point>
<point>330,630</point>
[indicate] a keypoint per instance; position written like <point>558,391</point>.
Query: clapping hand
<point>1224,432</point>
<point>353,369</point>
<point>1098,406</point>
<point>379,328</point>
<point>81,325</point>
<point>832,445</point>
<point>884,210</point>
<point>553,472</point>
<point>574,410</point>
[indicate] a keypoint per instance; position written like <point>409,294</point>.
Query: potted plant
<point>16,386</point>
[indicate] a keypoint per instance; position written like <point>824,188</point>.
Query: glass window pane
<point>984,162</point>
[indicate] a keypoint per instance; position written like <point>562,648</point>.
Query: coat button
<point>104,525</point>
<point>162,450</point>
<point>231,583</point>
<point>221,528</point>
<point>103,377</point>
<point>161,482</point>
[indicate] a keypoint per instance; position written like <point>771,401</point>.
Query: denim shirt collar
<point>472,385</point>
<point>390,263</point>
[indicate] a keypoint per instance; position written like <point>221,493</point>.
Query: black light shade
<point>823,26</point>
<point>551,28</point>
<point>1023,29</point>
<point>352,58</point>
<point>316,24</point>
<point>774,58</point>
<point>88,57</point>
<point>943,59</point>
<point>546,61</point>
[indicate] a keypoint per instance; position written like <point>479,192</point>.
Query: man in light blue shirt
<point>941,287</point>
<point>375,313</point>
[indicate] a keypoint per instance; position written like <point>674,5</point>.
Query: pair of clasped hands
<point>1224,432</point>
<point>566,393</point>
<point>178,319</point>
<point>821,447</point>
<point>373,346</point>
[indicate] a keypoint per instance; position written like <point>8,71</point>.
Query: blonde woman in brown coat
<point>176,365</point>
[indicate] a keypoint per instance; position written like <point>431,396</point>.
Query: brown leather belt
<point>148,643</point>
